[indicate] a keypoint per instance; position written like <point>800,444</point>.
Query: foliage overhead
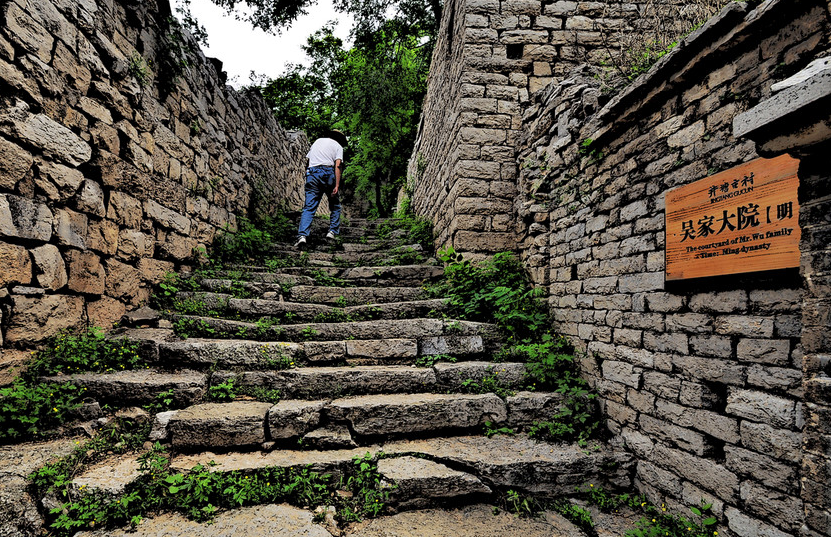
<point>373,92</point>
<point>370,15</point>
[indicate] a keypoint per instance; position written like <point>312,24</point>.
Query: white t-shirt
<point>324,152</point>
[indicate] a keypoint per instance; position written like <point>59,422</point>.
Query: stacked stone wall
<point>490,56</point>
<point>110,177</point>
<point>701,380</point>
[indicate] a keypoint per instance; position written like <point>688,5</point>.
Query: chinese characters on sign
<point>742,220</point>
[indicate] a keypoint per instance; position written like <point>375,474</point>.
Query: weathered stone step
<point>415,482</point>
<point>345,257</point>
<point>378,275</point>
<point>353,295</point>
<point>323,382</point>
<point>435,336</point>
<point>501,461</point>
<point>261,289</point>
<point>258,274</point>
<point>392,276</point>
<point>242,424</point>
<point>138,387</point>
<point>262,355</point>
<point>294,312</point>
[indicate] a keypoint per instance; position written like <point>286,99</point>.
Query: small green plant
<point>260,393</point>
<point>139,69</point>
<point>224,391</point>
<point>490,383</point>
<point>432,359</point>
<point>492,429</point>
<point>195,127</point>
<point>86,351</point>
<point>308,333</point>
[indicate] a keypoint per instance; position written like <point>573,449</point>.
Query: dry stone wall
<point>701,380</point>
<point>117,160</point>
<point>490,56</point>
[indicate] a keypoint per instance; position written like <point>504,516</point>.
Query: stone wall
<point>490,56</point>
<point>702,380</point>
<point>117,160</point>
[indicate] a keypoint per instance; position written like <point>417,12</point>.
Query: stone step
<point>391,276</point>
<point>323,382</point>
<point>138,387</point>
<point>261,275</point>
<point>262,355</point>
<point>346,258</point>
<point>499,462</point>
<point>260,289</point>
<point>416,483</point>
<point>435,336</point>
<point>294,312</point>
<point>460,468</point>
<point>351,296</point>
<point>247,424</point>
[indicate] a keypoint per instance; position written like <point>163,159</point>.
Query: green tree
<point>373,92</point>
<point>370,15</point>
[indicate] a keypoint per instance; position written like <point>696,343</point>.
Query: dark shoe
<point>301,242</point>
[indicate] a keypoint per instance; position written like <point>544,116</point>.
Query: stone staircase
<point>342,358</point>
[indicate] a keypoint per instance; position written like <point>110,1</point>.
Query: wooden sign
<point>745,219</point>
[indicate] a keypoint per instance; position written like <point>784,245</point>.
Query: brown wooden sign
<point>745,219</point>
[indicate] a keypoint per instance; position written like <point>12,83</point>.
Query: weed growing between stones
<point>411,229</point>
<point>655,521</point>
<point>433,359</point>
<point>32,408</point>
<point>496,290</point>
<point>199,493</point>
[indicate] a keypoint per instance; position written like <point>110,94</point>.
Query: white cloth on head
<point>324,152</point>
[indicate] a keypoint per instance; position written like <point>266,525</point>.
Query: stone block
<point>71,228</point>
<point>711,345</point>
<point>687,136</point>
<point>703,472</point>
<point>24,219</point>
<point>154,270</point>
<point>15,162</point>
<point>134,244</point>
<point>622,372</point>
<point>678,436</point>
<point>744,525</point>
<point>91,199</point>
<point>410,413</point>
<point>105,311</point>
<point>720,302</point>
<point>637,283</point>
<point>666,342</point>
<point>64,180</point>
<point>122,281</point>
<point>16,265</point>
<point>125,209</point>
<point>35,319</point>
<point>52,138</point>
<point>783,510</point>
<point>764,351</point>
<point>102,236</point>
<point>767,470</point>
<point>217,425</point>
<point>744,325</point>
<point>290,418</point>
<point>27,33</point>
<point>695,323</point>
<point>762,407</point>
<point>167,217</point>
<point>86,275</point>
<point>521,7</point>
<point>51,270</point>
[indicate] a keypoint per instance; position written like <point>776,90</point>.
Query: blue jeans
<point>320,180</point>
